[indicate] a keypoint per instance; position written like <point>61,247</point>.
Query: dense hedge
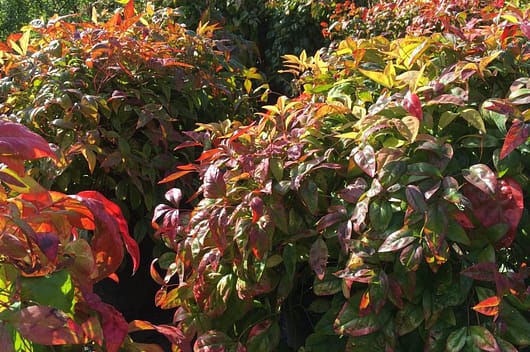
<point>382,207</point>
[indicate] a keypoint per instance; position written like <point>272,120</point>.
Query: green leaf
<point>446,118</point>
<point>264,336</point>
<point>474,118</point>
<point>349,322</point>
<point>408,318</point>
<point>517,326</point>
<point>309,194</point>
<point>456,340</point>
<point>380,214</point>
<point>328,286</point>
<point>276,166</point>
<point>456,233</point>
<point>55,290</point>
<point>483,338</point>
<point>391,172</point>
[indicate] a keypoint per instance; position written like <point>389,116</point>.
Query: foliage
<point>113,97</point>
<point>14,14</point>
<point>54,248</point>
<point>395,19</point>
<point>396,183</point>
<point>270,27</point>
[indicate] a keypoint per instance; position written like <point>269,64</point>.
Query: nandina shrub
<point>396,183</point>
<point>113,95</point>
<point>53,249</point>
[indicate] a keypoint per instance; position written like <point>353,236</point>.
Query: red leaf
<point>128,10</point>
<point>47,326</point>
<point>214,183</point>
<point>172,333</point>
<point>525,28</point>
<point>504,207</point>
<point>481,271</point>
<point>318,257</point>
<point>412,104</point>
<point>175,176</point>
<point>258,241</point>
<point>259,328</point>
<point>110,234</point>
<point>18,143</point>
<point>517,135</point>
<point>256,205</point>
<point>113,324</point>
<point>489,306</point>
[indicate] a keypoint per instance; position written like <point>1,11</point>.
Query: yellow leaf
<point>484,62</point>
<point>418,51</point>
<point>348,135</point>
<point>24,42</point>
<point>382,78</point>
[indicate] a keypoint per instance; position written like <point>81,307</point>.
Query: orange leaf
<point>128,11</point>
<point>489,306</point>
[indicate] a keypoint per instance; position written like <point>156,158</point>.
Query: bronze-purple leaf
<point>318,257</point>
<point>397,240</point>
<point>365,159</point>
<point>214,183</point>
<point>482,177</point>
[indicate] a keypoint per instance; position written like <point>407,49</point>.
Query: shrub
<point>395,184</point>
<point>114,96</point>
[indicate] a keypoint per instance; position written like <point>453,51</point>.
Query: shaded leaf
<point>318,257</point>
<point>408,318</point>
<point>456,340</point>
<point>483,339</point>
<point>415,198</point>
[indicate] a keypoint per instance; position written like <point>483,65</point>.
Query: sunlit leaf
<point>517,135</point>
<point>47,326</point>
<point>411,103</point>
<point>482,177</point>
<point>397,240</point>
<point>214,183</point>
